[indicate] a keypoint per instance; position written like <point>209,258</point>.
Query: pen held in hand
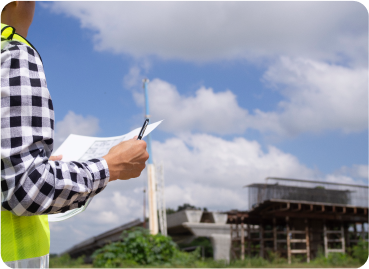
<point>142,131</point>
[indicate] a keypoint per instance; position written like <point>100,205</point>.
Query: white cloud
<point>318,97</point>
<point>75,124</point>
<point>207,111</point>
<point>133,77</point>
<point>202,31</point>
<point>360,171</point>
<point>200,167</point>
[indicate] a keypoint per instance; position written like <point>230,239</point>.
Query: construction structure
<point>299,218</point>
<point>153,217</point>
<point>160,191</point>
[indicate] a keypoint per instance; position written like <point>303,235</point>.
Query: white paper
<point>82,148</point>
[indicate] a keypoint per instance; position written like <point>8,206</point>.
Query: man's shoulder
<point>16,49</point>
<point>11,45</point>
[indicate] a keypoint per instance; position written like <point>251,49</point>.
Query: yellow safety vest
<point>22,237</point>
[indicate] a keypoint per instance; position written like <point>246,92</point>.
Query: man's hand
<point>56,158</point>
<point>127,159</point>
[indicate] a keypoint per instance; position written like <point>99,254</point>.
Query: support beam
<point>248,240</point>
<point>261,238</point>
<point>288,240</point>
<point>275,234</point>
<point>242,242</point>
<point>325,240</point>
<point>343,238</point>
<point>307,238</point>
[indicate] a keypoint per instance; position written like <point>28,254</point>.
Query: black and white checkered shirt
<point>30,183</point>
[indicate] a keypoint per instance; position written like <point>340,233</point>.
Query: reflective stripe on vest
<point>22,237</point>
<point>33,263</point>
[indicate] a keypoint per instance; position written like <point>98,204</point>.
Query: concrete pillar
<point>242,241</point>
<point>221,246</point>
<point>325,240</point>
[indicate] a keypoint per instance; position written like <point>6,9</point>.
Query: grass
<point>210,264</point>
<point>334,260</point>
<point>285,266</point>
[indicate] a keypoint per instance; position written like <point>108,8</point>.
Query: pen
<point>140,135</point>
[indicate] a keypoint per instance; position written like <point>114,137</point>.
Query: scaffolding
<point>299,217</point>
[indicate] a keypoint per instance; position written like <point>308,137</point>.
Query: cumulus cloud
<point>200,167</point>
<point>318,97</point>
<point>360,171</point>
<point>207,111</point>
<point>203,31</point>
<point>75,124</point>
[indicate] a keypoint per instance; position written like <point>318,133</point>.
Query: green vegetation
<point>206,249</point>
<point>139,249</point>
<point>66,261</point>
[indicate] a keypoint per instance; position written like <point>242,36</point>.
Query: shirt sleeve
<point>30,183</point>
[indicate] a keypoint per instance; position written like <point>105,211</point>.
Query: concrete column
<point>248,240</point>
<point>325,240</point>
<point>242,242</point>
<point>221,246</point>
<point>307,238</point>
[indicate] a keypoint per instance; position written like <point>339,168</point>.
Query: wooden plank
<point>297,232</point>
<point>298,250</point>
<point>298,240</point>
<point>334,240</point>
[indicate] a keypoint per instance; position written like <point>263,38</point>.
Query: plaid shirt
<point>30,183</point>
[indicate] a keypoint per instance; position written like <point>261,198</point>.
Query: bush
<point>139,247</point>
<point>65,261</point>
<point>334,260</point>
<point>360,251</point>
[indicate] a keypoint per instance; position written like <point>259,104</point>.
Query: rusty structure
<point>293,217</point>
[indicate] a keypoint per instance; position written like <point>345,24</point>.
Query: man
<point>32,186</point>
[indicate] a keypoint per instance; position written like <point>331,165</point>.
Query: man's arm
<point>31,184</point>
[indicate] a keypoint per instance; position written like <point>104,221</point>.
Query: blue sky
<point>247,90</point>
